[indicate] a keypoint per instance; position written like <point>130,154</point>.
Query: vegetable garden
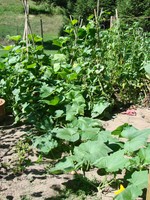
<point>64,96</point>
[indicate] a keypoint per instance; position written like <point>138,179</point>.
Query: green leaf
<point>99,108</point>
<point>24,106</point>
<point>52,102</point>
<point>60,41</point>
<point>90,151</point>
<point>46,91</point>
<point>92,31</point>
<point>131,192</point>
<point>44,143</point>
<point>85,122</point>
<point>81,33</point>
<point>139,179</point>
<point>74,21</point>
<point>144,155</point>
<point>56,67</point>
<point>2,66</point>
<point>128,131</point>
<point>119,129</point>
<point>140,134</point>
<point>16,93</point>
<point>72,76</point>
<point>57,42</point>
<point>89,134</point>
<point>7,48</point>
<point>112,163</point>
<point>39,48</point>
<point>68,134</point>
<point>106,136</point>
<point>77,107</point>
<point>34,37</point>
<point>13,60</point>
<point>15,38</point>
<point>59,113</point>
<point>32,66</point>
<point>70,112</point>
<point>135,144</point>
<point>147,67</point>
<point>59,57</point>
<point>63,166</point>
<point>138,139</point>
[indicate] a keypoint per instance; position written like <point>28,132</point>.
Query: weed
<point>23,150</point>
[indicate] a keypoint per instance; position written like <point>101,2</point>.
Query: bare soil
<point>35,183</point>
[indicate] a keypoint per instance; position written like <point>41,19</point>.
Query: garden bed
<point>35,183</point>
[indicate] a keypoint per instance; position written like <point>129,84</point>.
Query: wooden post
<point>42,35</point>
<point>112,21</point>
<point>148,188</point>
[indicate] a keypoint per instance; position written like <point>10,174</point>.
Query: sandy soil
<point>35,183</point>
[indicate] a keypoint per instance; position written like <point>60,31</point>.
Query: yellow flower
<point>120,190</point>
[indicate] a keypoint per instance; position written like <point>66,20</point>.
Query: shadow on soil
<point>79,186</point>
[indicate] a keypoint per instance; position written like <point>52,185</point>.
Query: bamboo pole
<point>25,34</point>
<point>27,26</point>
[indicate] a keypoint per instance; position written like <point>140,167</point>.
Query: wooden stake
<point>148,188</point>
<point>42,35</point>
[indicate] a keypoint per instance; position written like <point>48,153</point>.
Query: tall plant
<point>110,61</point>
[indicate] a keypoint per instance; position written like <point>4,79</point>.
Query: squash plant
<point>124,150</point>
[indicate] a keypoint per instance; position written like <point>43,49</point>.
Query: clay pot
<point>2,109</point>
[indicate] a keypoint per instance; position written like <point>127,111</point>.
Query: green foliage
<point>111,61</point>
<point>138,181</point>
<point>101,154</point>
<point>44,143</point>
<point>81,8</point>
<point>129,10</point>
<point>84,8</point>
<point>62,96</point>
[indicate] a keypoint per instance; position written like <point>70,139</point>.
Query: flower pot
<point>2,109</point>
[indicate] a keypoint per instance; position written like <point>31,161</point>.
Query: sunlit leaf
<point>119,129</point>
<point>63,166</point>
<point>46,91</point>
<point>32,66</point>
<point>15,38</point>
<point>69,134</point>
<point>113,162</point>
<point>99,108</point>
<point>91,151</point>
<point>7,48</point>
<point>74,21</point>
<point>52,102</point>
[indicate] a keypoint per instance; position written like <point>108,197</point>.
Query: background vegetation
<point>12,22</point>
<point>129,11</point>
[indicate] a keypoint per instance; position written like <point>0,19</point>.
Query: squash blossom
<point>120,190</point>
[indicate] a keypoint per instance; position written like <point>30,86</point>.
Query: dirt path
<point>35,183</point>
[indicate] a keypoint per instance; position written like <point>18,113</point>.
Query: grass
<point>12,21</point>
